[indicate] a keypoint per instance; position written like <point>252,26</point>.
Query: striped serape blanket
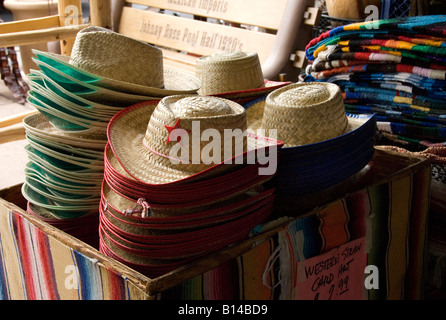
<point>423,28</point>
<point>395,68</point>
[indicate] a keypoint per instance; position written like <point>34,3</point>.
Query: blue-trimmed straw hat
<point>323,145</point>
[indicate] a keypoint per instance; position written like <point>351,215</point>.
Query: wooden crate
<point>39,261</point>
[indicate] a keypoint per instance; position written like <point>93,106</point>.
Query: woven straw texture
<point>128,72</point>
<point>302,113</point>
<point>143,150</point>
<point>39,125</point>
<point>112,55</point>
<point>154,162</point>
<point>228,72</point>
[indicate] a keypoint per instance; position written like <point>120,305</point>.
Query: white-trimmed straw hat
<point>39,125</point>
<point>233,75</point>
<point>141,137</point>
<point>110,60</point>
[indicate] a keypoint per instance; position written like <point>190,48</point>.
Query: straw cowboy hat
<point>302,113</point>
<point>150,153</point>
<point>108,59</point>
<point>233,75</point>
<point>323,145</point>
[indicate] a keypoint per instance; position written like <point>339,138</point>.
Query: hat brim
<point>46,191</point>
<point>64,169</point>
<point>175,239</point>
<point>83,221</point>
<point>58,185</point>
<point>197,193</point>
<point>47,87</point>
<point>126,141</point>
<point>267,87</point>
<point>39,170</point>
<point>175,82</point>
<point>84,227</point>
<point>60,210</point>
<point>169,215</point>
<point>39,125</point>
<point>87,90</point>
<point>77,157</point>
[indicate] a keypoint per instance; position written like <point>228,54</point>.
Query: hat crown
<point>109,54</point>
<point>305,113</point>
<point>193,115</point>
<point>304,96</point>
<point>198,106</point>
<point>229,72</point>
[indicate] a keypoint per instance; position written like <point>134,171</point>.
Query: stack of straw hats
<point>234,75</point>
<point>62,177</point>
<point>324,145</point>
<point>160,206</point>
<point>77,96</point>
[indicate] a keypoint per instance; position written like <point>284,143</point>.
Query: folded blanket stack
<point>395,68</point>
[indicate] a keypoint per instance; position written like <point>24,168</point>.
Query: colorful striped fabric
<point>436,243</point>
<point>419,26</point>
<point>251,276</point>
<point>390,216</point>
<point>428,47</point>
<point>394,98</point>
<point>414,80</point>
<point>379,86</point>
<point>417,47</point>
<point>397,65</point>
<point>36,266</point>
<point>336,57</point>
<point>383,68</point>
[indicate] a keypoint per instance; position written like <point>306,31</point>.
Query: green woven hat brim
<point>90,91</point>
<point>175,82</point>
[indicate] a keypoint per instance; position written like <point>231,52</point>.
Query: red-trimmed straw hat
<point>142,141</point>
<point>233,75</point>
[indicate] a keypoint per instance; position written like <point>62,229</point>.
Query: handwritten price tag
<point>335,275</point>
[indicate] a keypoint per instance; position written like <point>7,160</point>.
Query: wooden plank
<point>179,61</point>
<point>197,37</point>
<point>100,13</point>
<point>29,24</point>
<point>8,121</point>
<point>178,66</point>
<point>266,14</point>
<point>12,133</point>
<point>14,195</point>
<point>70,15</point>
<point>36,36</point>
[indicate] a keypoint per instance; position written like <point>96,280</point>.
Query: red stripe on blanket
<point>24,248</point>
<point>46,263</point>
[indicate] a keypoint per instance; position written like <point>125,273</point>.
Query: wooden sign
<point>266,14</point>
<point>192,36</point>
